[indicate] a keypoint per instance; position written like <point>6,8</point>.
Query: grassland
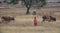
<point>25,24</point>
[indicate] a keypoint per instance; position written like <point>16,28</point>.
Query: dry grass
<point>38,29</point>
<point>24,24</point>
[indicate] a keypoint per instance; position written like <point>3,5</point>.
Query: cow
<point>7,18</point>
<point>52,18</point>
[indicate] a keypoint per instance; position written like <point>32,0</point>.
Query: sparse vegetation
<point>24,23</point>
<point>29,4</point>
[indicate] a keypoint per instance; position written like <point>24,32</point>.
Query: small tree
<point>30,3</point>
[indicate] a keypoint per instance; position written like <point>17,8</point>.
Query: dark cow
<point>52,18</point>
<point>7,18</point>
<point>44,18</point>
<point>48,18</point>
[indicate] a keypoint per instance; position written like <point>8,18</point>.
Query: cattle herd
<point>48,18</point>
<point>9,18</point>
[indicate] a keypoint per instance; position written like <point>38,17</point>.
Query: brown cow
<point>7,18</point>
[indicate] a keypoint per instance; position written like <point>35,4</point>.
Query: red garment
<point>35,21</point>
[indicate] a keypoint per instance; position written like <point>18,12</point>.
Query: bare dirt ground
<point>24,23</point>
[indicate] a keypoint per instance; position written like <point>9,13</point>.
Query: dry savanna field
<point>24,23</point>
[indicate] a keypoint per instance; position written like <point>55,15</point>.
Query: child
<point>35,21</point>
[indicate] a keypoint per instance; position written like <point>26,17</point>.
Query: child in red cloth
<point>35,21</point>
